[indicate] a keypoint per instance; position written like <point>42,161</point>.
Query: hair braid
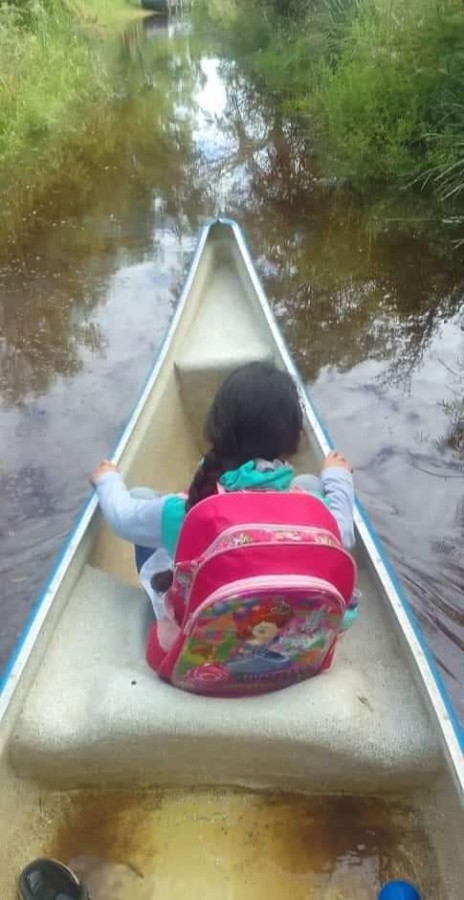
<point>206,478</point>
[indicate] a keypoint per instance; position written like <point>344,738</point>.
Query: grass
<point>379,84</point>
<point>54,80</point>
<point>381,81</point>
<point>391,104</point>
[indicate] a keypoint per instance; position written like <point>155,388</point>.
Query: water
<point>230,844</point>
<point>368,297</point>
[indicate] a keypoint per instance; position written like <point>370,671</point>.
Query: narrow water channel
<point>369,300</point>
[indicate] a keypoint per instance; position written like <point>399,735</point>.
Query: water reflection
<point>369,299</point>
<point>162,26</point>
<point>414,493</point>
<point>43,330</point>
<point>346,285</point>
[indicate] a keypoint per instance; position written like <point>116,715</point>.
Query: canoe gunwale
<point>10,678</point>
<point>452,734</point>
<point>427,675</point>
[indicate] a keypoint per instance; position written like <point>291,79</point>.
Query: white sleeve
<point>135,519</point>
<point>339,490</point>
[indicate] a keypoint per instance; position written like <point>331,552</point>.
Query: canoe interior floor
<point>231,844</point>
<point>93,713</point>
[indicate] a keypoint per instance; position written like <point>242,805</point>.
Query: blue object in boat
<point>399,890</point>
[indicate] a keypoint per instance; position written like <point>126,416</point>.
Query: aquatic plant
<point>380,81</point>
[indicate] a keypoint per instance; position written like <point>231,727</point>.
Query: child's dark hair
<point>256,414</point>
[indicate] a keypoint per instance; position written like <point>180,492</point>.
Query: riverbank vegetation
<point>55,83</point>
<point>379,84</point>
<point>376,84</point>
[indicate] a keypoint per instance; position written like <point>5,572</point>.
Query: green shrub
<point>381,83</point>
<point>390,103</point>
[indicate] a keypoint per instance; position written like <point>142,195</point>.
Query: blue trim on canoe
<point>58,558</point>
<point>458,728</point>
<point>373,534</point>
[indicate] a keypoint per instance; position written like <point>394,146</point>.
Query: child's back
<point>283,527</point>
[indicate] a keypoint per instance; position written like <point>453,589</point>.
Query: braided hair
<point>256,414</point>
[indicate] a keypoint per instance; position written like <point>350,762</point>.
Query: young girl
<point>253,428</point>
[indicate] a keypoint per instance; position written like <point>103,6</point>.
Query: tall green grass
<point>45,67</point>
<point>381,80</point>
<point>54,79</point>
<point>392,103</point>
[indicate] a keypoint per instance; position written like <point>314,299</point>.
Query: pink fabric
<point>220,511</point>
<point>331,564</point>
<point>215,515</point>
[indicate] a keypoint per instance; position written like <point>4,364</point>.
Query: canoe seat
<point>97,713</point>
<point>229,332</point>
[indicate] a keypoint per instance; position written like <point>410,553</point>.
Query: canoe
<point>83,719</point>
<point>162,7</point>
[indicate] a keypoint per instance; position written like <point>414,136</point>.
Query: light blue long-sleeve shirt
<point>140,519</point>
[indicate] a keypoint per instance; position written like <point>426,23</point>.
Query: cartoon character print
<point>235,539</point>
<point>267,641</point>
<point>258,629</point>
<point>182,582</point>
<point>272,534</point>
<point>304,634</point>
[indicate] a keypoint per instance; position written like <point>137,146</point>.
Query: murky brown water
<point>144,845</point>
<point>370,300</point>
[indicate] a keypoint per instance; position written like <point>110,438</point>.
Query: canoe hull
<point>79,706</point>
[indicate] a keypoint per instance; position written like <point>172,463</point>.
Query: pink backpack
<point>261,584</point>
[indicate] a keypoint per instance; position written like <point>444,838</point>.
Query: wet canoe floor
<point>232,844</point>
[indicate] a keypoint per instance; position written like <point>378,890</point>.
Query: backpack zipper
<point>268,526</point>
<point>262,583</point>
<point>206,558</point>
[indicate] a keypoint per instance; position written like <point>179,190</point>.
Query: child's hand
<point>101,469</point>
<point>335,459</point>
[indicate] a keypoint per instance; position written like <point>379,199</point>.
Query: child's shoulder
<point>172,518</point>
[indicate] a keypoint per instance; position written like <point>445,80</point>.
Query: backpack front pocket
<point>259,634</point>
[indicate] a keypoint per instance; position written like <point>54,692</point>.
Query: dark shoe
<point>47,879</point>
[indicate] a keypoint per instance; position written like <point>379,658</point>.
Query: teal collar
<point>258,475</point>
